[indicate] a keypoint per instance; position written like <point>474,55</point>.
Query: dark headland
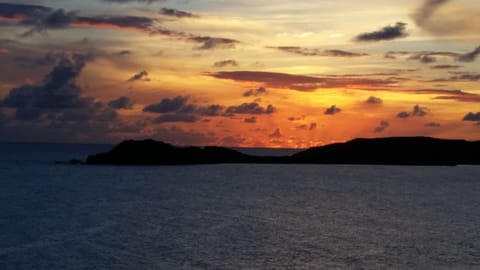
<point>382,151</point>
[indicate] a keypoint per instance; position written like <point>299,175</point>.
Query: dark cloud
<point>276,134</point>
<point>374,100</point>
<point>381,127</point>
<point>176,117</point>
<point>332,110</point>
<point>142,75</point>
<point>470,56</point>
<point>176,13</point>
<point>121,103</point>
<point>313,126</point>
<point>386,33</point>
<point>445,67</point>
<point>310,127</point>
<point>469,77</point>
<point>58,100</point>
<point>210,110</point>
<point>317,52</point>
<point>226,63</point>
<point>255,92</point>
<point>250,120</point>
<point>416,112</point>
<point>123,53</point>
<point>432,125</point>
<point>250,108</point>
<point>41,19</point>
<point>302,82</point>
<point>209,43</point>
<point>426,10</point>
<point>473,117</point>
<point>167,105</point>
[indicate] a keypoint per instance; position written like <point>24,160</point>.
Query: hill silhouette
<point>382,151</point>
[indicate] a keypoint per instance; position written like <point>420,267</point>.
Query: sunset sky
<point>265,73</point>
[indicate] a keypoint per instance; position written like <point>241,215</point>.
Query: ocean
<point>237,216</point>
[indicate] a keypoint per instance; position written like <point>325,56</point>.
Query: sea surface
<point>55,216</point>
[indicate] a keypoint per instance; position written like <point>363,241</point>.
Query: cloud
<point>332,110</point>
<point>432,125</point>
<point>255,92</point>
<point>250,120</point>
<point>121,103</point>
<point>176,13</point>
<point>302,82</point>
<point>210,110</point>
<point>445,67</point>
<point>469,77</point>
<point>123,53</point>
<point>426,10</point>
<point>250,108</point>
<point>317,52</point>
<point>226,63</point>
<point>473,117</point>
<point>470,56</point>
<point>209,43</point>
<point>374,101</point>
<point>312,126</point>
<point>416,112</point>
<point>386,33</point>
<point>167,105</point>
<point>142,75</point>
<point>381,127</point>
<point>178,136</point>
<point>58,100</point>
<point>276,134</point>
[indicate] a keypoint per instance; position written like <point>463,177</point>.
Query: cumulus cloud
<point>255,92</point>
<point>250,108</point>
<point>121,103</point>
<point>58,99</point>
<point>167,105</point>
<point>225,63</point>
<point>142,75</point>
<point>381,127</point>
<point>386,33</point>
<point>332,110</point>
<point>374,101</point>
<point>209,43</point>
<point>416,112</point>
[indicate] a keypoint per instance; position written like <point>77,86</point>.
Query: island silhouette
<point>381,151</point>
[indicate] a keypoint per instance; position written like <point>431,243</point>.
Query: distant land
<point>381,151</point>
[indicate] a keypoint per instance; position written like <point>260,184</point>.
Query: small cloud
<point>176,117</point>
<point>276,134</point>
<point>416,112</point>
<point>386,33</point>
<point>313,126</point>
<point>210,43</point>
<point>250,120</point>
<point>432,125</point>
<point>176,13</point>
<point>255,92</point>
<point>123,53</point>
<point>250,108</point>
<point>316,52</point>
<point>469,57</point>
<point>381,127</point>
<point>472,117</point>
<point>445,67</point>
<point>142,75</point>
<point>167,105</point>
<point>121,103</point>
<point>374,101</point>
<point>226,63</point>
<point>332,110</point>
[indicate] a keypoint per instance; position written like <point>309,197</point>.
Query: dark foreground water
<point>233,216</point>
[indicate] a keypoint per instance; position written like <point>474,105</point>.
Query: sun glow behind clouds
<point>323,84</point>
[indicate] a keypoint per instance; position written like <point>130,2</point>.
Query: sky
<point>265,73</point>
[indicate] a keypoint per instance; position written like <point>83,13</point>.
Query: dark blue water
<point>233,216</point>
